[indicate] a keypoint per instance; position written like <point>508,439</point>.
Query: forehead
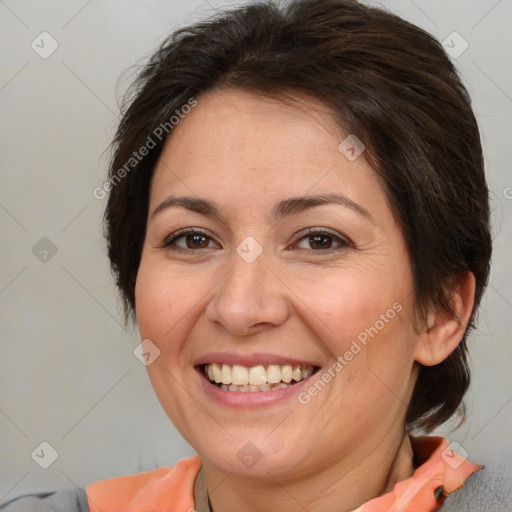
<point>248,149</point>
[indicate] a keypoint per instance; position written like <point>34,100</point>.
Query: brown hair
<point>387,81</point>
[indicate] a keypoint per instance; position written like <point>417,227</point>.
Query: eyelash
<point>307,233</point>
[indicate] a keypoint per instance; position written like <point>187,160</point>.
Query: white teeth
<point>286,373</point>
<point>217,373</point>
<point>273,374</point>
<point>239,375</point>
<point>257,378</point>
<point>226,374</point>
<point>257,375</point>
<point>306,371</point>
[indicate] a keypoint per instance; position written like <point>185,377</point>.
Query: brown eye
<point>188,239</point>
<point>196,241</point>
<point>321,240</point>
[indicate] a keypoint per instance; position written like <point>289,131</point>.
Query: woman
<point>298,222</point>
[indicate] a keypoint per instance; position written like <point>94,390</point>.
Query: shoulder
<point>68,500</point>
<point>489,489</point>
<point>163,488</point>
<point>159,489</point>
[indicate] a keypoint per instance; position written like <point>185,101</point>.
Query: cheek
<point>162,302</point>
<point>158,307</point>
<point>150,297</point>
<point>352,304</point>
<point>163,299</point>
<point>364,319</point>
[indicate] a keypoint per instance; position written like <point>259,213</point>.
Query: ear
<point>444,332</point>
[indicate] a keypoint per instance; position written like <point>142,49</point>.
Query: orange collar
<point>171,489</point>
<point>165,489</point>
<point>442,472</point>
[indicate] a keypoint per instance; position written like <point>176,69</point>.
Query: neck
<point>341,487</point>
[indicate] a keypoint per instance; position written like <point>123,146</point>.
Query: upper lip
<point>250,360</point>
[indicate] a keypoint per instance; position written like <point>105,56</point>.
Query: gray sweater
<point>488,490</point>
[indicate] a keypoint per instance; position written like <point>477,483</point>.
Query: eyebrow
<point>287,207</point>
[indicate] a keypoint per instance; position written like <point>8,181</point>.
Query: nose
<point>249,299</point>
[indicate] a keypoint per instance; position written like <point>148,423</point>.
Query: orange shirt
<point>172,489</point>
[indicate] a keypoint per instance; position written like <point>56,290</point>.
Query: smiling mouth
<point>256,378</point>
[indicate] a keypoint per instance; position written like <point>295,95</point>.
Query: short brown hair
<point>387,81</point>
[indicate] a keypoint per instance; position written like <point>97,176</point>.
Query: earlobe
<point>443,332</point>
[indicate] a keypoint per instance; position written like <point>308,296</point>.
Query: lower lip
<point>250,399</point>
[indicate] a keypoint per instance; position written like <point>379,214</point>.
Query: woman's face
<point>297,264</point>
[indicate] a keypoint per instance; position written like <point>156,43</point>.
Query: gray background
<point>68,375</point>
